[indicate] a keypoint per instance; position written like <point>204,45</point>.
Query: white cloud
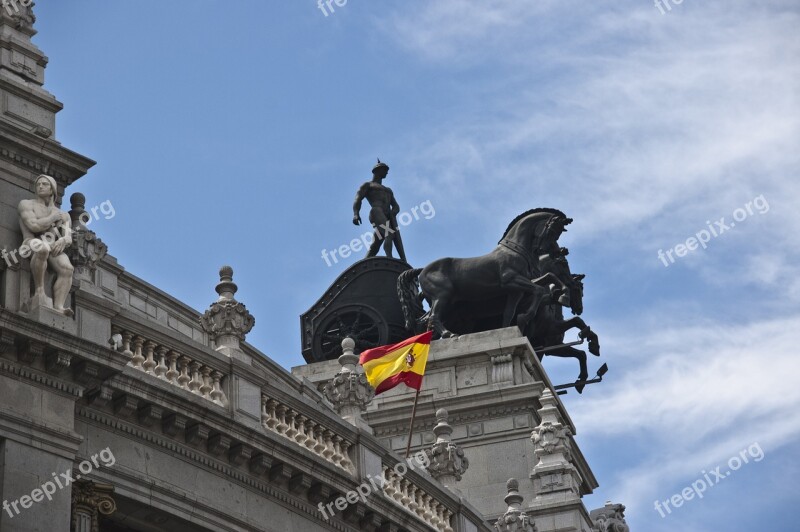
<point>697,394</point>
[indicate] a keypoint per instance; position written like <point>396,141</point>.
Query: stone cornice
<point>38,155</point>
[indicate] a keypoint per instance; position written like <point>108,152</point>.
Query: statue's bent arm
<point>33,222</point>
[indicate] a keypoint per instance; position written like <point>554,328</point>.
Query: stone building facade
<point>134,412</point>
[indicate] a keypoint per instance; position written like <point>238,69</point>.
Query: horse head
<point>557,264</point>
<point>537,229</point>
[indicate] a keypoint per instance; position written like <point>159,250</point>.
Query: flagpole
<point>411,428</point>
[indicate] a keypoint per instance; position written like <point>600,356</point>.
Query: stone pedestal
<point>490,384</point>
<point>52,318</point>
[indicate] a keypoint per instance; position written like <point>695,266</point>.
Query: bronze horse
<point>509,271</point>
<point>545,325</point>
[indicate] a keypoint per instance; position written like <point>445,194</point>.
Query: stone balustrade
<point>415,500</point>
<point>303,431</point>
<point>165,363</point>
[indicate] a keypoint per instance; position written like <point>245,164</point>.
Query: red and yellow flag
<point>387,366</point>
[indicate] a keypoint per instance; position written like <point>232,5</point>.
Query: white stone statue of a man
<point>46,232</point>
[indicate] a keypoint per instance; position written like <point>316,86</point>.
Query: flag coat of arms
<point>387,366</point>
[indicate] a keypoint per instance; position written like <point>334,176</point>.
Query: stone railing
<point>413,499</point>
<point>165,363</point>
<point>303,431</point>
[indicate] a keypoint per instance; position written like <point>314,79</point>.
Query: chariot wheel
<point>360,322</point>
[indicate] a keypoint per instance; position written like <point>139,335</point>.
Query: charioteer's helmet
<point>380,166</point>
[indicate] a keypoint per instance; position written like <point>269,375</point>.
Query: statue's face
<point>382,172</point>
<point>43,188</point>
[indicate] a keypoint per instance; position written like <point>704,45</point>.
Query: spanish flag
<point>386,367</point>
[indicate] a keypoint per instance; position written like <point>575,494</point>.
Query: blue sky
<point>237,133</point>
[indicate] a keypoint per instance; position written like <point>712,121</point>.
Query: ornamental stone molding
<point>554,474</point>
<point>514,520</point>
<point>90,500</point>
<point>227,321</point>
<point>86,249</point>
<point>447,460</point>
<point>349,391</point>
<point>610,518</point>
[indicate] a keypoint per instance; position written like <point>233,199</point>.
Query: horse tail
<point>408,292</point>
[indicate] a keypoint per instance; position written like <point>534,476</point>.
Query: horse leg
<point>436,321</point>
<point>577,322</point>
<point>511,307</point>
<point>571,352</point>
<point>519,284</point>
<point>440,290</point>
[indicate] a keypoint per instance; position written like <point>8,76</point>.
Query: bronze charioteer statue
<point>382,214</point>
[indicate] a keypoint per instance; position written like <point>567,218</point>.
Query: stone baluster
<point>205,386</point>
<point>447,517</point>
<point>346,462</point>
<point>161,369</point>
<point>172,372</point>
<point>290,421</point>
<point>268,416</point>
<point>311,440</point>
<point>337,450</point>
<point>320,446</point>
<point>126,344</point>
<point>137,360</point>
<point>217,395</point>
<point>184,378</point>
<point>149,363</point>
<point>328,452</point>
<point>388,485</point>
<point>196,382</point>
<point>282,425</point>
<point>514,520</point>
<point>300,422</point>
<point>405,491</point>
<point>425,507</point>
<point>413,496</point>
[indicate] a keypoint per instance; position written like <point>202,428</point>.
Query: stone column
<point>514,520</point>
<point>90,500</point>
<point>447,460</point>
<point>348,391</point>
